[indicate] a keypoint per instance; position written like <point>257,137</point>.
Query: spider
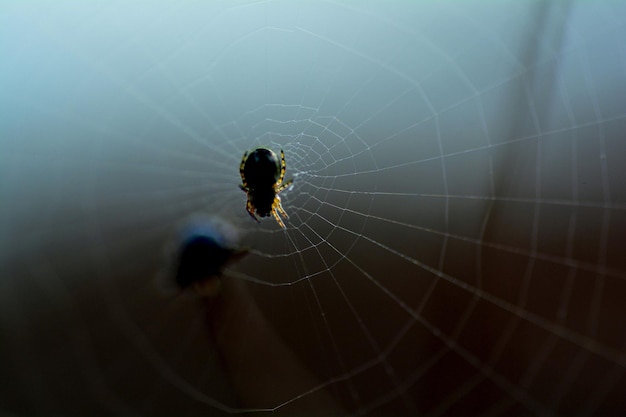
<point>262,176</point>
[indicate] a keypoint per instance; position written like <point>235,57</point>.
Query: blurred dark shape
<point>205,249</point>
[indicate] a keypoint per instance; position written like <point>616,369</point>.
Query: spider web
<point>456,222</point>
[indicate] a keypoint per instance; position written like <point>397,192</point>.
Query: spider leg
<point>241,166</point>
<point>250,209</point>
<point>277,217</point>
<point>282,211</point>
<point>278,208</point>
<point>283,167</point>
<point>282,187</point>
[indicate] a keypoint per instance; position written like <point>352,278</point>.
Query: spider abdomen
<point>262,169</point>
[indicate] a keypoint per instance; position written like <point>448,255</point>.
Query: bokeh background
<point>457,220</point>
